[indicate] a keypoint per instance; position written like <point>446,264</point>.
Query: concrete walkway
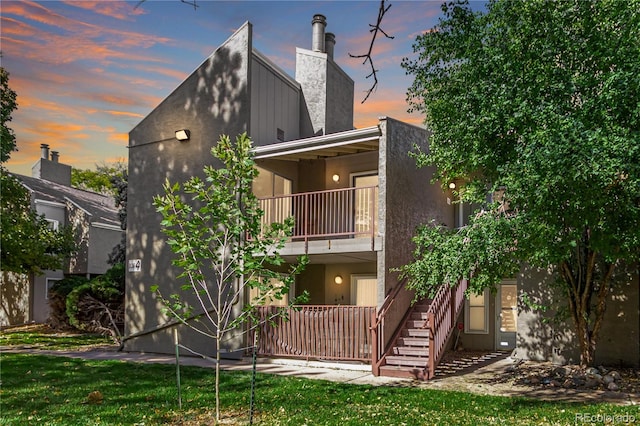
<point>484,375</point>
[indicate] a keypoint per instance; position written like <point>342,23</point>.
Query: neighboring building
<point>96,226</point>
<point>357,198</point>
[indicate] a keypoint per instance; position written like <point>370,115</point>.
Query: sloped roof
<point>101,207</point>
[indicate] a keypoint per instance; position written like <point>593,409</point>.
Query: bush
<point>97,305</point>
<point>58,318</point>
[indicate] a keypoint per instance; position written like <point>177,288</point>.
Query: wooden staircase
<point>409,354</point>
<point>422,339</point>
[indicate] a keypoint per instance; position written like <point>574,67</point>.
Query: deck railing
<point>347,212</point>
<point>341,333</point>
<point>442,314</point>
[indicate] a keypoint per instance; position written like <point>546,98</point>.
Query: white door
<point>507,318</point>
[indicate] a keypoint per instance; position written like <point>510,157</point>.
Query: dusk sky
<point>86,72</point>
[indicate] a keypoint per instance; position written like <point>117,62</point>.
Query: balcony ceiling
<point>325,146</point>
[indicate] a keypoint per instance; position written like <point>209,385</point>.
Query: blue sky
<point>86,72</point>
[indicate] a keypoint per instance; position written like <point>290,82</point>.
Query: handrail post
<point>432,345</point>
<point>375,367</point>
<point>453,290</point>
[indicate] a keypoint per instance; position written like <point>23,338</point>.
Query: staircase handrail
<point>378,347</point>
<point>450,298</point>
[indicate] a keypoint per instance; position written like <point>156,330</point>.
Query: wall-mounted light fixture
<point>452,185</point>
<point>336,178</point>
<point>183,135</point>
<point>338,279</point>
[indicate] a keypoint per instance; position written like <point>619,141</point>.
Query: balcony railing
<point>338,213</point>
<point>317,332</point>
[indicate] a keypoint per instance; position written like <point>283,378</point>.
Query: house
<point>96,226</point>
<point>356,197</point>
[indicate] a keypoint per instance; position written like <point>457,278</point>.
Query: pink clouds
<point>117,10</point>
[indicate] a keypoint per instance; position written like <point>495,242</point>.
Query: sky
<point>87,72</point>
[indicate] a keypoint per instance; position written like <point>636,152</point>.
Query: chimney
<point>55,156</point>
<point>44,151</point>
<point>318,23</point>
<point>329,43</point>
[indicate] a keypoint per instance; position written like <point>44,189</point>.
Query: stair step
<point>415,332</point>
<point>415,315</point>
<point>413,341</point>
<point>411,350</point>
<point>403,372</point>
<point>409,361</point>
<point>416,323</point>
<point>420,308</point>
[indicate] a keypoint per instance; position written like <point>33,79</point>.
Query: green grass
<point>42,337</point>
<point>51,390</point>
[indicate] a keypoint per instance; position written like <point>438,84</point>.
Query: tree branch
<point>375,29</point>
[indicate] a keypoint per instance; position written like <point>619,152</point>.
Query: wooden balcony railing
<point>317,332</point>
<point>338,213</point>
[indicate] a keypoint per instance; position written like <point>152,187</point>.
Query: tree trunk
<point>579,275</point>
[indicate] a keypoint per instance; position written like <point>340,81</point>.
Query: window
<point>363,290</point>
<point>47,288</point>
<point>267,185</point>
<point>280,135</point>
<point>53,224</point>
<point>477,313</point>
<point>268,298</point>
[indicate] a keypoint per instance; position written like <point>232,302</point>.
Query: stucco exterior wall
<point>545,336</point>
<point>327,93</point>
<point>15,294</point>
<point>213,100</point>
<point>101,244</point>
<point>407,199</point>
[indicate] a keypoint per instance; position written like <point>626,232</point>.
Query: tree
<point>120,183</point>
<point>222,245</point>
<point>99,180</point>
<point>27,242</point>
<point>9,104</point>
<point>536,103</point>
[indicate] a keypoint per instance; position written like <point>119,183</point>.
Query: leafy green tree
<point>223,248</point>
<point>27,242</point>
<point>538,104</point>
<point>120,183</point>
<point>100,179</point>
<point>9,104</point>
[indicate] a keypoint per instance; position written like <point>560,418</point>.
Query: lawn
<point>54,390</point>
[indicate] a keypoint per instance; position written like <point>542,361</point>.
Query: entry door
<point>507,321</point>
<point>366,202</point>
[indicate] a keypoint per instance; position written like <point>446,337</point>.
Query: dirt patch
<point>495,373</point>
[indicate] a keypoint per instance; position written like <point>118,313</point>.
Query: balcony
<point>339,214</point>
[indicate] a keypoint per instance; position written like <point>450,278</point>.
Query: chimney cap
<point>319,19</point>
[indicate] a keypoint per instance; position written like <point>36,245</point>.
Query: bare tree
<point>368,58</point>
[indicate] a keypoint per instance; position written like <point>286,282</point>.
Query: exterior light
<point>338,279</point>
<point>336,178</point>
<point>452,185</point>
<point>183,135</point>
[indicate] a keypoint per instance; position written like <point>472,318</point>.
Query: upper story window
<point>269,184</point>
<point>53,224</point>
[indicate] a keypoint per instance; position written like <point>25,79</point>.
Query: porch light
<point>183,135</point>
<point>336,178</point>
<point>452,185</point>
<point>338,279</point>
